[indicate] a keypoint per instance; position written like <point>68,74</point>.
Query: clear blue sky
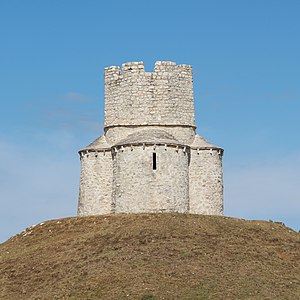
<point>245,57</point>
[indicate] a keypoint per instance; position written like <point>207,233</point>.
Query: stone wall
<point>136,97</point>
<point>206,182</point>
<point>95,191</point>
<point>139,188</point>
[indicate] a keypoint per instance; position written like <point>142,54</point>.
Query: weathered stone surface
<point>134,97</point>
<point>184,135</point>
<point>150,158</point>
<point>206,182</point>
<point>138,188</point>
<point>95,183</point>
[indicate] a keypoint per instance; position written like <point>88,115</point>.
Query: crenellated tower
<point>134,97</point>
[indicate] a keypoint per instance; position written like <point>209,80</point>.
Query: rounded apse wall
<point>206,182</point>
<point>149,178</point>
<point>95,189</point>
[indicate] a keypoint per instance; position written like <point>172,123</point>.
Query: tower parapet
<point>134,97</point>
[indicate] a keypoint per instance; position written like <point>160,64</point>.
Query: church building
<point>150,158</point>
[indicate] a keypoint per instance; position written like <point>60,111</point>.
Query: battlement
<point>162,97</point>
<point>161,69</point>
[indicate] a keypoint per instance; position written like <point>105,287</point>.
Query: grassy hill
<point>152,256</point>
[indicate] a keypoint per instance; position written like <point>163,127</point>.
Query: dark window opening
<point>154,161</point>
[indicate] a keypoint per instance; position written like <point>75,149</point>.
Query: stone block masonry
<point>136,97</point>
<point>150,158</point>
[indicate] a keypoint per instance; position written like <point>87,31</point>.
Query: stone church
<point>150,158</point>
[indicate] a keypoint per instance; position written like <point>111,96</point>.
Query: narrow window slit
<point>154,161</point>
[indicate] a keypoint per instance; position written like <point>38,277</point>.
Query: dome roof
<point>99,144</point>
<point>151,136</point>
<point>200,142</point>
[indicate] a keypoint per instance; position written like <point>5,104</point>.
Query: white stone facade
<point>150,158</point>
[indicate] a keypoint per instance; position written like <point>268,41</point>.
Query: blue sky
<point>245,58</point>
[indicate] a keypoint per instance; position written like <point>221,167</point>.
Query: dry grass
<point>152,256</point>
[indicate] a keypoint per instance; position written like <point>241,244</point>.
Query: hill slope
<point>151,256</point>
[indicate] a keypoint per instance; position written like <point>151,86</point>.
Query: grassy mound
<point>151,256</point>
